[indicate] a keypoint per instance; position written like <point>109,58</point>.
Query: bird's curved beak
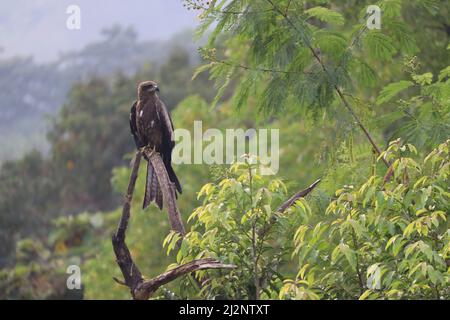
<point>156,88</point>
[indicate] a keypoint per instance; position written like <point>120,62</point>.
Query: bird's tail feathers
<point>173,178</point>
<point>153,191</point>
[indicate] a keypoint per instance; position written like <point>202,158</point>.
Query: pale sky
<point>38,27</point>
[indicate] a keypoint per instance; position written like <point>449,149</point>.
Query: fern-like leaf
<point>392,89</point>
<point>326,15</point>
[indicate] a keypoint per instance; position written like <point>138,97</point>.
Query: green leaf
<point>372,269</point>
<point>202,69</point>
<point>326,15</point>
<point>391,90</point>
<point>379,45</point>
<point>365,295</point>
<point>349,254</point>
<point>391,241</point>
<point>301,273</point>
<point>335,254</point>
<point>391,9</point>
<point>426,250</point>
<point>363,73</point>
<point>410,248</point>
<point>445,73</point>
<point>423,79</point>
<point>331,44</point>
<point>409,229</point>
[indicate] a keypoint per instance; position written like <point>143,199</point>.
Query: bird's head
<point>147,88</point>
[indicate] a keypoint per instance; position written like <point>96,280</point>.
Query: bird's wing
<point>168,144</point>
<point>133,126</point>
<point>167,125</point>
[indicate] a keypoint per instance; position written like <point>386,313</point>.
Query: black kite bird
<point>151,126</point>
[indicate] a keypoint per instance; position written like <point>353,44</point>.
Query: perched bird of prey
<point>151,126</point>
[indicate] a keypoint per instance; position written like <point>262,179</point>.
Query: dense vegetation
<point>366,111</point>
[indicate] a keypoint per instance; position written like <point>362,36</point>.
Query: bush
<point>386,239</point>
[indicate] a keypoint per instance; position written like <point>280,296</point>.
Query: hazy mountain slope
<point>30,92</point>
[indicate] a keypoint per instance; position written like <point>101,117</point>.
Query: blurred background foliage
<point>60,204</point>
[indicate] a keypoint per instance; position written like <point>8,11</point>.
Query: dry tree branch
<point>140,288</point>
<point>288,203</point>
<point>150,286</point>
<point>130,271</point>
<point>301,194</point>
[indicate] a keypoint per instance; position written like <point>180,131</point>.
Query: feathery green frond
<point>326,15</point>
<point>392,89</point>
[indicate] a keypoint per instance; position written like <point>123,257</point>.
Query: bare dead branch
<point>130,271</point>
<point>298,195</point>
<point>152,285</point>
<point>288,203</point>
<point>140,288</point>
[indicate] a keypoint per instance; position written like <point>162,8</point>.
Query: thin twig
<point>268,70</point>
<point>213,10</point>
<point>358,271</point>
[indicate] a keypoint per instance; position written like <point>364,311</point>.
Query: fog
<point>37,28</point>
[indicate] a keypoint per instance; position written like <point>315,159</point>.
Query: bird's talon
<point>142,150</point>
<point>148,149</point>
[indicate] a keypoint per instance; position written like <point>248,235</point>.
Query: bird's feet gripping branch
<point>147,150</point>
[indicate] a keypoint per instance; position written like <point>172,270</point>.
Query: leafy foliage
<point>23,200</point>
<point>234,226</point>
<point>88,137</point>
<point>268,36</point>
<point>385,239</point>
<point>284,65</point>
<point>40,265</point>
<point>422,118</point>
<point>392,90</point>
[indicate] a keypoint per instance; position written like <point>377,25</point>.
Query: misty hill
<point>30,92</point>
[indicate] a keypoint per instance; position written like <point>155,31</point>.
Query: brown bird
<point>151,126</point>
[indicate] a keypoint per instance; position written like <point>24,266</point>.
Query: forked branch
<point>140,288</point>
